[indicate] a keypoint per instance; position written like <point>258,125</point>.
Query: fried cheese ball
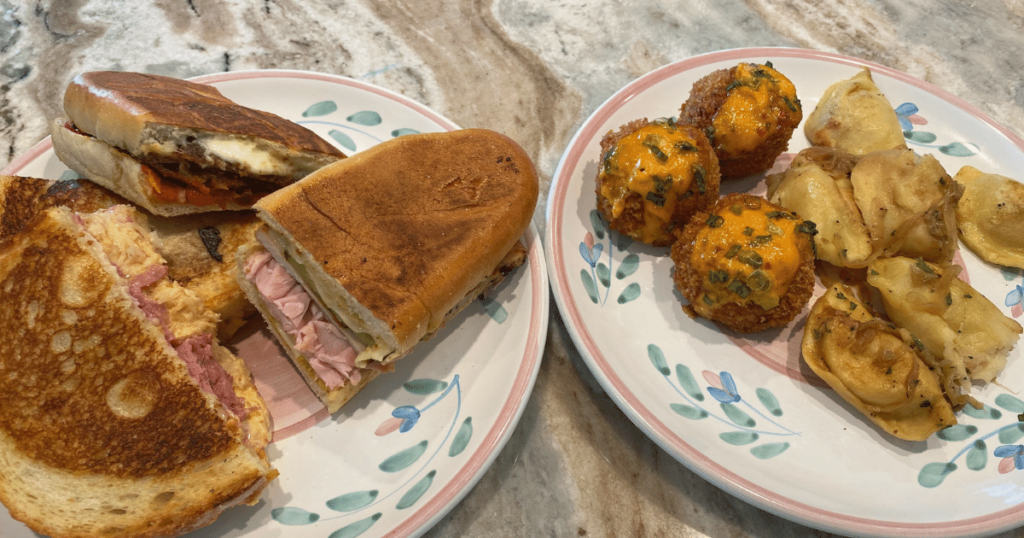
<point>654,176</point>
<point>748,112</point>
<point>747,263</point>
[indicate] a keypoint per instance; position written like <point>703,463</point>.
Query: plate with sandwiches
<point>188,365</point>
<point>744,410</point>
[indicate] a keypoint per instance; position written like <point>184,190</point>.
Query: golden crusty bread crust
<point>23,198</point>
<point>401,232</point>
<point>103,435</point>
<point>189,261</point>
<point>124,109</point>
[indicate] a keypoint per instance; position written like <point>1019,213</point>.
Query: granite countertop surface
<point>534,70</point>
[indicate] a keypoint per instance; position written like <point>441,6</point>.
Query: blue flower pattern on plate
<point>907,114</point>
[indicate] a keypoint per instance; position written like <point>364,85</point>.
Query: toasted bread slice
<point>103,430</point>
<point>205,266</point>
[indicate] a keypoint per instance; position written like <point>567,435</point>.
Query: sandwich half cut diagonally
<point>120,414</point>
<point>363,259</point>
<point>199,249</point>
<point>175,147</point>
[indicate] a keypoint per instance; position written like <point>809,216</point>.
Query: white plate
<point>775,436</point>
<point>357,470</point>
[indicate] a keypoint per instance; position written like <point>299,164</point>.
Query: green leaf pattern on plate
<point>343,139</point>
<point>293,516</point>
<point>368,118</point>
<point>355,529</point>
<point>658,359</point>
<point>352,501</point>
<point>415,492</point>
<point>597,275</point>
<point>404,458</point>
<point>322,108</point>
<point>425,386</point>
<point>975,452</point>
<point>745,424</point>
<point>462,438</point>
<point>415,483</point>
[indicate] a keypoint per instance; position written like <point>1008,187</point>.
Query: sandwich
<point>200,252</point>
<point>199,249</point>
<point>358,262</point>
<point>120,414</point>
<point>174,147</point>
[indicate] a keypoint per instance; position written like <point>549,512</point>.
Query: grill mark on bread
<point>55,380</point>
<point>22,198</point>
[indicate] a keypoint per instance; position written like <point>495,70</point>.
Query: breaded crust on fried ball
<point>748,112</point>
<point>747,263</point>
<point>654,176</point>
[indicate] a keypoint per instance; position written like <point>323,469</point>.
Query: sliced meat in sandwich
<point>363,259</point>
<point>174,147</point>
<point>120,414</point>
<point>199,249</point>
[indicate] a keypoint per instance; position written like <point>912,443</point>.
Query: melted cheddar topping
<point>658,161</point>
<point>747,253</point>
<point>758,96</point>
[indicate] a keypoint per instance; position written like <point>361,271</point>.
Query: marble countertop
<point>534,70</point>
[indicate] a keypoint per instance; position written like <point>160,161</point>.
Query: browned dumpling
<point>854,116</point>
<point>990,216</point>
<point>908,202</point>
<point>871,365</point>
<point>954,322</point>
<point>817,187</point>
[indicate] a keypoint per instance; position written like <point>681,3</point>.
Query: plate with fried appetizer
<point>260,303</point>
<point>800,274</point>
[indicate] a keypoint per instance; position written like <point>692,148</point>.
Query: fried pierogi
<point>963,330</point>
<point>990,216</point>
<point>908,203</point>
<point>885,203</point>
<point>874,366</point>
<point>817,187</point>
<point>854,116</point>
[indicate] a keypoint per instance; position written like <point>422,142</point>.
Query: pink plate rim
<point>522,386</point>
<point>662,434</point>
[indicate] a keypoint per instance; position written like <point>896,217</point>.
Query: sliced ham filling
<point>196,351</point>
<point>328,351</point>
<point>143,269</point>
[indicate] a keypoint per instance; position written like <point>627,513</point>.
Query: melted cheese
<point>756,99</point>
<point>250,155</point>
<point>660,163</point>
<point>247,154</point>
<point>746,254</point>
